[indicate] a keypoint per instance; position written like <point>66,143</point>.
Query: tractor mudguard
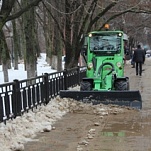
<point>122,98</point>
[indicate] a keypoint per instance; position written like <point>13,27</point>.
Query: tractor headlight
<point>90,35</point>
<point>120,34</point>
<point>119,64</point>
<point>90,66</point>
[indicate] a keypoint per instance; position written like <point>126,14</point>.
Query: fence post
<point>46,88</point>
<point>78,73</point>
<point>65,78</point>
<point>16,104</point>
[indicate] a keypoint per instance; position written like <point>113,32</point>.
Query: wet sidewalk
<point>126,132</point>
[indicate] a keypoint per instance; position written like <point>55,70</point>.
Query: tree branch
<point>23,10</point>
<point>61,33</point>
<point>101,14</point>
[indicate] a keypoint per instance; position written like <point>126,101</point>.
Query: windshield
<point>109,43</point>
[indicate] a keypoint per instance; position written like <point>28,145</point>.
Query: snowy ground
<point>16,132</point>
<point>42,67</point>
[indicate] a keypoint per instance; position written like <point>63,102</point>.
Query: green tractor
<point>105,82</point>
<point>104,54</point>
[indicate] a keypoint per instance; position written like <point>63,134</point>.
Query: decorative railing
<point>18,97</point>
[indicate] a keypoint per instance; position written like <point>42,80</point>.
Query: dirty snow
<point>17,132</point>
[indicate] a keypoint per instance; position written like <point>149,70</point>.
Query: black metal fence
<point>18,97</point>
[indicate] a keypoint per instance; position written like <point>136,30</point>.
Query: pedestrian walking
<point>126,52</point>
<point>132,58</point>
<point>139,59</point>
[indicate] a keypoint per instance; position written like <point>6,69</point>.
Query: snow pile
<point>22,129</point>
<point>16,132</point>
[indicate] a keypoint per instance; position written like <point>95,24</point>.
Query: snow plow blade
<point>122,98</point>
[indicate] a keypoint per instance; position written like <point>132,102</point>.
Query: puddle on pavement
<point>131,134</point>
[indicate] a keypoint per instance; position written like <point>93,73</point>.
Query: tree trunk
<point>23,39</point>
<point>37,47</point>
<point>5,72</point>
<point>68,49</point>
<point>57,32</point>
<point>5,55</point>
<point>56,37</point>
<point>29,21</point>
<point>15,45</point>
<point>48,35</point>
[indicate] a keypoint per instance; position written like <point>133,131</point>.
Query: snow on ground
<point>21,74</point>
<point>17,132</point>
<point>24,128</point>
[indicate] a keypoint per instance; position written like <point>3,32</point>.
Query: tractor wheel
<point>121,85</point>
<point>85,86</point>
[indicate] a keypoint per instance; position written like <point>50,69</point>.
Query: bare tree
<point>6,14</point>
<point>85,15</point>
<point>30,37</point>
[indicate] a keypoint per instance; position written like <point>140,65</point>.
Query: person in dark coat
<point>139,59</point>
<point>132,60</point>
